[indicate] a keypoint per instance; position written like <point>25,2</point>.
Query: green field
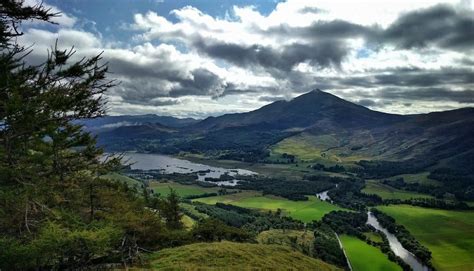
<point>325,149</point>
<point>181,189</point>
<point>306,211</point>
<point>388,192</point>
<point>421,178</point>
<point>234,256</point>
<point>449,235</point>
<point>364,257</point>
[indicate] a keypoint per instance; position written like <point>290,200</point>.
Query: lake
<point>168,165</point>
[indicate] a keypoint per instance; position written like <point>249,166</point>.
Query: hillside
<point>235,256</point>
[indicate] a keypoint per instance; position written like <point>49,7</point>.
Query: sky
<point>200,58</point>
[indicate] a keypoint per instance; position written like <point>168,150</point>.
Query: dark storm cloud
<point>408,77</point>
<point>413,94</point>
<point>321,53</point>
<point>440,25</point>
<point>271,98</point>
<point>324,30</point>
<point>143,89</point>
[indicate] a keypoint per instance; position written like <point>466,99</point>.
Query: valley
<point>237,166</point>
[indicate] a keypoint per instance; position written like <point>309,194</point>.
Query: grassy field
<point>325,149</point>
<point>181,189</point>
<point>448,234</point>
<point>421,178</point>
<point>234,256</point>
<point>306,211</point>
<point>388,192</point>
<point>364,257</point>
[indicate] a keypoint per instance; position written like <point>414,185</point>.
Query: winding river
<point>396,246</point>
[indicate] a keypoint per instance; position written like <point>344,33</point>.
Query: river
<point>168,164</point>
<point>396,246</point>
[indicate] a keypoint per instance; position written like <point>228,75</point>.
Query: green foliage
<point>210,230</point>
<point>326,246</point>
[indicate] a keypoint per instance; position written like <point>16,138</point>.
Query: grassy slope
<point>122,178</point>
<point>182,190</point>
<point>306,211</point>
<point>388,192</point>
<point>421,178</point>
<point>234,256</point>
<point>448,234</point>
<point>364,257</point>
<point>283,237</point>
<point>324,149</point>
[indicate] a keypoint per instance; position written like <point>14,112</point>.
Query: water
<point>323,196</point>
<point>396,246</point>
<point>168,165</point>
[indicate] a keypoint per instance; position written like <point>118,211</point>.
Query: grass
<point>374,237</point>
<point>388,192</point>
<point>364,257</point>
<point>306,211</point>
<point>234,256</point>
<point>188,222</point>
<point>304,239</point>
<point>181,189</point>
<point>122,178</point>
<point>307,148</point>
<point>191,209</point>
<point>421,178</point>
<point>325,149</point>
<point>448,234</point>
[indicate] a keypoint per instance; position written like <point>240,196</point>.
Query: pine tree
<point>56,211</point>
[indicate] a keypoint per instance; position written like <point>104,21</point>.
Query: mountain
<point>326,126</point>
<point>111,122</point>
<point>315,109</point>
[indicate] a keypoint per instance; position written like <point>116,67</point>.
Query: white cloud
<point>200,65</point>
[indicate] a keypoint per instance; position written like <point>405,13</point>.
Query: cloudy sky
<point>198,58</point>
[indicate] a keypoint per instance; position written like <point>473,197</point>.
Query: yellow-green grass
<point>306,211</point>
<point>388,192</point>
<point>188,222</point>
<point>305,149</point>
<point>325,149</point>
<point>191,209</point>
<point>364,257</point>
<point>122,178</point>
<point>234,256</point>
<point>448,234</point>
<point>304,239</point>
<point>421,178</point>
<point>374,237</point>
<point>182,190</point>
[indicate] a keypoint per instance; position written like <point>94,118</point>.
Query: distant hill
<point>235,256</point>
<point>111,122</point>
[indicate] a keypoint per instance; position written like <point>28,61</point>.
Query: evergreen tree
<point>56,209</point>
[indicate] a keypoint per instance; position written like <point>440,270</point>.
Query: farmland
<point>306,211</point>
<point>388,192</point>
<point>364,257</point>
<point>181,189</point>
<point>448,234</point>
